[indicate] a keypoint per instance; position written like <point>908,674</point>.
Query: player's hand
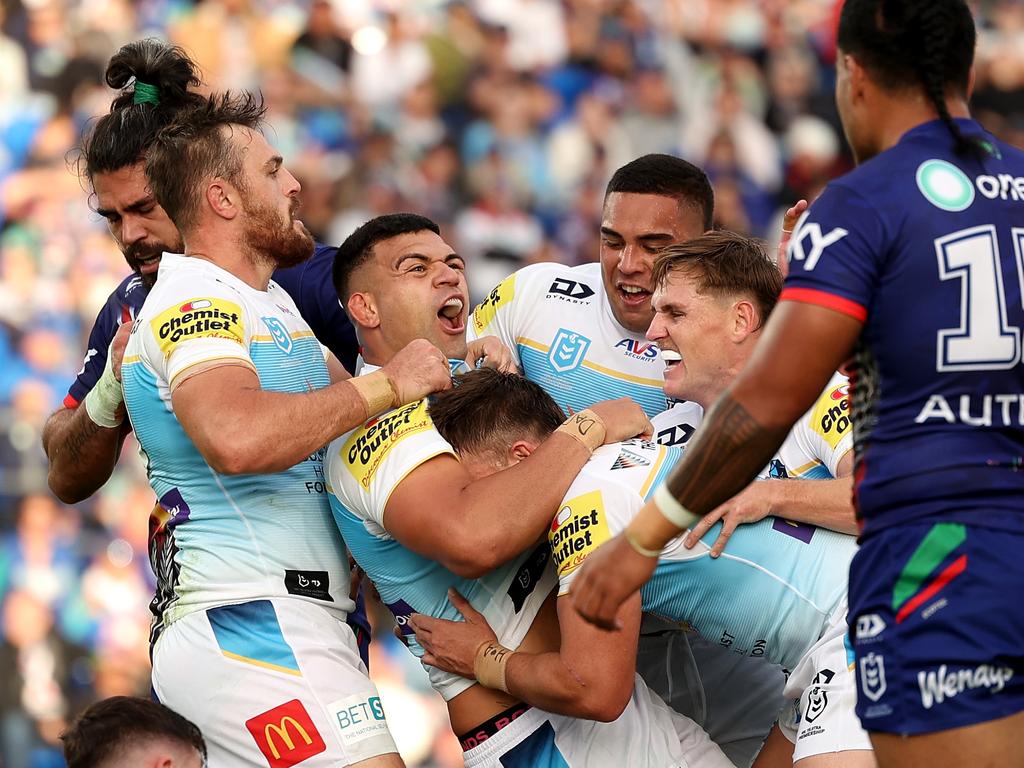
<point>748,506</point>
<point>117,345</point>
<point>612,573</point>
<point>419,369</point>
<point>452,645</point>
<point>489,352</point>
<point>788,223</point>
<point>623,419</point>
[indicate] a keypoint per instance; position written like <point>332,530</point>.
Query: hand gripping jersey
<point>218,539</point>
<point>926,248</point>
<point>560,328</point>
<point>309,284</point>
<point>363,469</point>
<point>770,594</point>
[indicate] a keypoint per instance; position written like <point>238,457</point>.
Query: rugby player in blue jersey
<point>913,263</point>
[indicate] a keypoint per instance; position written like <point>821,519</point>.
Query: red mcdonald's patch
<point>286,735</point>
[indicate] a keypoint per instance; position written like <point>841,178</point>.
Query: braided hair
<point>154,80</point>
<point>927,44</point>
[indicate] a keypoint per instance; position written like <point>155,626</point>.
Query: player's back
<point>560,327</point>
<point>927,247</point>
<point>770,594</point>
<point>218,539</point>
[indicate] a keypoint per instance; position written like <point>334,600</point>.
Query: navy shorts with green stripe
<point>937,623</point>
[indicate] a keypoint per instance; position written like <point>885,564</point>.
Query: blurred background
<point>500,119</point>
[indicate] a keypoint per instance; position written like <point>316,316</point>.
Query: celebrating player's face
<point>139,225</point>
<point>634,228</point>
<point>417,285</point>
<point>693,331</point>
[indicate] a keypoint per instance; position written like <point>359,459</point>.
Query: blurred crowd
<point>500,119</point>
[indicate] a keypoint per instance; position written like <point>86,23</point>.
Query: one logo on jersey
<point>401,610</point>
<point>315,584</point>
<point>872,676</point>
<point>641,350</point>
<point>869,626</point>
<point>809,235</point>
<point>135,282</point>
<point>628,460</point>
<point>286,735</point>
<point>817,697</point>
<point>677,434</point>
<point>279,333</point>
<point>831,415</point>
<point>777,470</point>
<point>567,350</point>
<point>579,528</point>
<point>1004,186</point>
<point>366,448</point>
<point>196,319</point>
<point>570,289</point>
<point>359,718</point>
<point>488,308</point>
<point>944,185</point>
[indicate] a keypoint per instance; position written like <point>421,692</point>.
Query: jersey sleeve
<point>103,331</point>
<point>836,253</point>
<point>496,315</point>
<point>364,469</point>
<point>196,324</point>
<point>826,432</point>
<point>591,514</point>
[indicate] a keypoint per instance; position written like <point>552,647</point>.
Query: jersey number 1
<point>985,340</point>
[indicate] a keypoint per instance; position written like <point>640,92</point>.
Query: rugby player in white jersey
<point>778,590</point>
<point>232,401</point>
<point>419,523</point>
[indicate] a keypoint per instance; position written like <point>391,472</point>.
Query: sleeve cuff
<point>825,299</point>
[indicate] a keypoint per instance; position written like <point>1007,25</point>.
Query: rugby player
<point>912,261</point>
<point>232,401</point>
<point>419,522</point>
<point>782,587</point>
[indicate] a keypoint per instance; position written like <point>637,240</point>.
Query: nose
<point>447,274</point>
<point>631,261</point>
<point>291,184</point>
<point>133,230</point>
<point>656,330</point>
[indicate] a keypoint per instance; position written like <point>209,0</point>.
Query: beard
<point>140,252</point>
<point>273,239</point>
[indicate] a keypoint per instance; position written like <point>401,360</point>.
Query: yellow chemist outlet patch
<point>579,528</point>
<point>197,319</point>
<point>366,448</point>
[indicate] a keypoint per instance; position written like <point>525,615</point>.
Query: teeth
<point>632,289</point>
<point>452,308</point>
<point>671,356</point>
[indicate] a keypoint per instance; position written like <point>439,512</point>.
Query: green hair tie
<point>145,93</point>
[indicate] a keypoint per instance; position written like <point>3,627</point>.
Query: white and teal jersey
<point>363,469</point>
<point>560,328</point>
<point>770,594</point>
<point>218,539</point>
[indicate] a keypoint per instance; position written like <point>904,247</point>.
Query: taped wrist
<point>376,391</point>
<point>105,398</point>
<point>672,510</point>
<point>586,427</point>
<point>489,665</point>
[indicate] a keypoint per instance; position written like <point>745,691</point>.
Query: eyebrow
<point>658,236</point>
<point>275,162</point>
<point>138,205</point>
<point>423,258</point>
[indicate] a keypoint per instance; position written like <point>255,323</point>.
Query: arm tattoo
<point>78,437</point>
<point>731,447</point>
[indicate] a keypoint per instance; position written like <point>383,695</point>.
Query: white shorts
<point>272,682</point>
<point>735,698</point>
<point>820,717</point>
<point>646,735</point>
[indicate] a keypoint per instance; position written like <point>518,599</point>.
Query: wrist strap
<point>105,398</point>
<point>489,665</point>
<point>376,391</point>
<point>672,510</point>
<point>585,427</point>
<point>638,547</point>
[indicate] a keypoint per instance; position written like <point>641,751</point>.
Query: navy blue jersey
<point>309,284</point>
<point>926,248</point>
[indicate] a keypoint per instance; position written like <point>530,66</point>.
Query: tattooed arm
<point>82,454</point>
<point>803,344</point>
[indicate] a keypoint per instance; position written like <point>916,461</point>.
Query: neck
<point>227,253</point>
<point>904,111</point>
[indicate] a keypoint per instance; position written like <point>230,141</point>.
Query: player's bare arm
<point>739,437</point>
<point>590,676</point>
<point>240,428</point>
<point>473,526</point>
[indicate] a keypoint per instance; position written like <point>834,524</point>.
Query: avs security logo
<point>279,333</point>
<point>198,318</point>
<point>567,350</point>
<point>639,350</point>
<point>286,735</point>
<point>570,290</point>
<point>817,696</point>
<point>944,185</point>
<point>872,676</point>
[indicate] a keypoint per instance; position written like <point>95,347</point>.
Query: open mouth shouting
<point>452,315</point>
<point>671,358</point>
<point>633,296</point>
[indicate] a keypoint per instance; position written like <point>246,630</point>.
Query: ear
<point>859,78</point>
<point>746,319</point>
<point>520,450</point>
<point>362,308</point>
<point>223,198</point>
<point>970,81</point>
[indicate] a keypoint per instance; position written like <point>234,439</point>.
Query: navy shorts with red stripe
<point>937,623</point>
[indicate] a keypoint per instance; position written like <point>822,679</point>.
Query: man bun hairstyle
<point>155,81</point>
<point>928,44</point>
<point>668,176</point>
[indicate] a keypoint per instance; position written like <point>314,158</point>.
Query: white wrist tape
<point>104,399</point>
<point>672,510</point>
